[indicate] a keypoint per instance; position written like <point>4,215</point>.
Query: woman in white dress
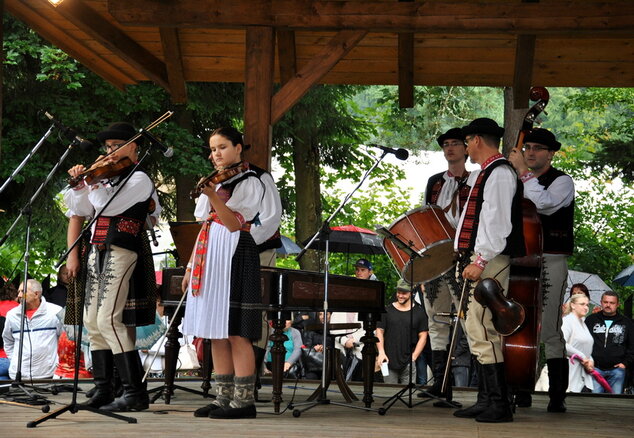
<point>579,341</point>
<point>222,279</point>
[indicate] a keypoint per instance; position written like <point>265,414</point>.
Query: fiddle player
<point>553,193</point>
<point>118,253</point>
<point>449,190</point>
<point>266,234</point>
<point>222,280</point>
<point>489,233</point>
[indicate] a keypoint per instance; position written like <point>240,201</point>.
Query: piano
<point>288,290</point>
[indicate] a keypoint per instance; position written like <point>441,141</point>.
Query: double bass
<point>521,349</point>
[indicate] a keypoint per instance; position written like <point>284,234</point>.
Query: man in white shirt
<point>553,193</point>
<point>114,254</point>
<point>488,235</point>
<point>42,328</point>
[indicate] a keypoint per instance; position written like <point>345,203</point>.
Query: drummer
<point>449,190</point>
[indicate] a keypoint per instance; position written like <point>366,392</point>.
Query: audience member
<point>314,349</point>
<point>400,340</point>
<point>8,295</point>
<point>364,270</point>
<point>293,346</point>
<point>57,294</point>
<point>578,342</point>
<point>42,328</point>
<point>613,350</point>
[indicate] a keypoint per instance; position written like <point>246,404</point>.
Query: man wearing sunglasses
<point>553,193</point>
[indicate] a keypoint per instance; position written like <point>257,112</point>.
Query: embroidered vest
<point>557,227</point>
<point>275,241</point>
<point>515,241</point>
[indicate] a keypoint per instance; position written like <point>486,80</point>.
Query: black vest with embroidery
<point>557,227</point>
<point>434,186</point>
<point>274,241</point>
<point>515,246</point>
<point>229,186</point>
<point>124,229</point>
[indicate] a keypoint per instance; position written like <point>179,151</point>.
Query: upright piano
<point>287,290</point>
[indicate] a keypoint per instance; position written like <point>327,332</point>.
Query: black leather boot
<point>102,365</point>
<point>482,402</point>
<point>557,384</point>
<point>439,363</point>
<point>135,397</point>
<point>499,410</point>
<point>523,399</point>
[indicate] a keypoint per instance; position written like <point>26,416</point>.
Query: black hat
<point>118,131</point>
<point>452,133</point>
<point>483,125</point>
<point>543,136</point>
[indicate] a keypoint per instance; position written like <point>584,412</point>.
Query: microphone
<point>70,134</point>
<point>401,154</point>
<point>167,152</point>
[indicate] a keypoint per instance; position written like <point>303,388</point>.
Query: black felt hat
<point>543,136</point>
<point>483,125</point>
<point>118,131</point>
<point>452,133</point>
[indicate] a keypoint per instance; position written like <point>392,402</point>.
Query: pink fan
<point>598,377</point>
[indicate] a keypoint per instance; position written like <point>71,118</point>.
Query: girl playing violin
<point>222,279</point>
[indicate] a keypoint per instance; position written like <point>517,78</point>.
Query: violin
<point>103,168</point>
<point>218,176</point>
<point>508,315</point>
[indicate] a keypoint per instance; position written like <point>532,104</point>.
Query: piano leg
<point>277,357</point>
<point>172,346</point>
<point>369,353</point>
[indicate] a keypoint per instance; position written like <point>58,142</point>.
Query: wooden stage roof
<point>437,42</point>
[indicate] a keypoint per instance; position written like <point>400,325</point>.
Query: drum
<point>429,234</point>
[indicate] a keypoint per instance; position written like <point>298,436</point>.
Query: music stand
<point>410,388</point>
<point>324,235</point>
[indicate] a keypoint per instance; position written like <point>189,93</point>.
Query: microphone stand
<point>27,211</point>
<point>27,158</point>
<point>324,235</point>
<point>75,407</point>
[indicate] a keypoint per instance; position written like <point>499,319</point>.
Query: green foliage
<point>436,110</point>
<point>39,77</point>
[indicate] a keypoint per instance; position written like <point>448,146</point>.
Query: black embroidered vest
<point>557,227</point>
<point>515,246</point>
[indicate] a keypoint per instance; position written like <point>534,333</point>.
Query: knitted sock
<point>243,394</point>
<point>224,389</point>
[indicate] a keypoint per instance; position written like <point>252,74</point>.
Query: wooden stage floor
<point>587,416</point>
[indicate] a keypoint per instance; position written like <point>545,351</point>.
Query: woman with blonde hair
<point>579,342</point>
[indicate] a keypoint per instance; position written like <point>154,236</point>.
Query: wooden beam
<point>286,55</point>
<point>430,17</point>
<point>406,70</point>
<point>47,30</point>
<point>174,64</point>
<point>107,34</point>
<point>313,71</point>
<point>523,69</point>
<point>258,89</point>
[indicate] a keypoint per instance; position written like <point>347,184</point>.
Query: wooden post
<point>258,91</point>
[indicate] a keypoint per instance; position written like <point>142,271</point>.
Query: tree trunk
<point>184,183</point>
<point>307,188</point>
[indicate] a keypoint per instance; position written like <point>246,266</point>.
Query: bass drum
<point>429,234</point>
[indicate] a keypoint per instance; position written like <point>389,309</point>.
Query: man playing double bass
<point>449,190</point>
<point>553,193</point>
<point>488,235</point>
